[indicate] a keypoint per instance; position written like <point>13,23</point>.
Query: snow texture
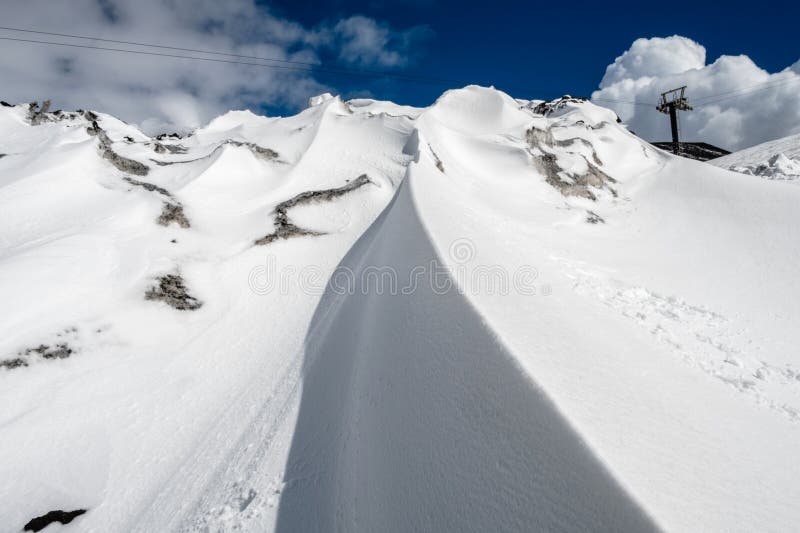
<point>493,315</point>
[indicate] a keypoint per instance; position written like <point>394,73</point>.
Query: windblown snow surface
<point>773,160</point>
<point>484,315</point>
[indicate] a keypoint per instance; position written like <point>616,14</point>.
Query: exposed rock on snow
<point>436,159</point>
<point>594,218</point>
<point>62,517</point>
<point>122,163</point>
<point>173,212</point>
<point>263,153</point>
<point>165,136</point>
<point>777,167</point>
<point>546,108</point>
<point>777,160</point>
<point>148,186</point>
<point>41,114</point>
<point>37,114</point>
<point>61,346</point>
<point>169,148</point>
<point>172,291</point>
<point>569,183</point>
<point>43,351</point>
<point>285,229</point>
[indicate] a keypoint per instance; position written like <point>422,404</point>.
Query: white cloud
<point>164,93</point>
<point>729,112</point>
<point>655,57</point>
<point>365,42</point>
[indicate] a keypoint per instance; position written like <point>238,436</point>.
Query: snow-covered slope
<point>774,160</point>
<point>370,317</point>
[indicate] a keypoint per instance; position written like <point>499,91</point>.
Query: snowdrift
<point>773,160</point>
<point>487,314</point>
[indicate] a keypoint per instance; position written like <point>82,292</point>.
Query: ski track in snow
<point>699,337</point>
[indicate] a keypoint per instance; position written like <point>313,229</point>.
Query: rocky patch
<point>436,159</point>
<point>40,114</point>
<point>543,148</point>
<point>62,517</point>
<point>173,212</point>
<point>171,209</point>
<point>169,148</point>
<point>122,163</point>
<point>259,151</point>
<point>148,186</point>
<point>172,291</point>
<point>60,348</point>
<point>546,108</point>
<point>594,218</point>
<point>285,229</point>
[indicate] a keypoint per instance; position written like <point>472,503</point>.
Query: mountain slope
<point>775,160</point>
<point>470,316</point>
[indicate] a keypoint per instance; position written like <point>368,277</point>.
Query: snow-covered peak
<point>319,99</point>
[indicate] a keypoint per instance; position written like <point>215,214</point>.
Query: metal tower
<point>671,102</point>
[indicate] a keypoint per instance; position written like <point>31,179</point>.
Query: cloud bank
<point>737,104</point>
<point>164,94</point>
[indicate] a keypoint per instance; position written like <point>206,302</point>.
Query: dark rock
<point>260,151</point>
<point>436,159</point>
<point>168,135</point>
<point>594,218</point>
<point>59,351</point>
<point>63,517</point>
<point>5,104</point>
<point>13,363</point>
<point>122,163</point>
<point>285,229</point>
<point>38,115</point>
<point>172,291</point>
<point>170,213</point>
<point>169,148</point>
<point>545,108</point>
<point>44,351</point>
<point>148,186</point>
<point>568,184</point>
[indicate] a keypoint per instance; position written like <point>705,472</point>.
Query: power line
<point>738,94</point>
<point>304,66</point>
<point>753,88</point>
<point>312,65</point>
<point>285,64</point>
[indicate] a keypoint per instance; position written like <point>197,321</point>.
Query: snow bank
<point>773,160</point>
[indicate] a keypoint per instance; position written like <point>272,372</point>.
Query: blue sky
<point>546,49</point>
<point>625,52</point>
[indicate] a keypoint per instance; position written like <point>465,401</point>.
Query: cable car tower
<point>673,101</point>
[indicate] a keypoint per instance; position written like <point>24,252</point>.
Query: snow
<point>521,322</point>
<point>772,160</point>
